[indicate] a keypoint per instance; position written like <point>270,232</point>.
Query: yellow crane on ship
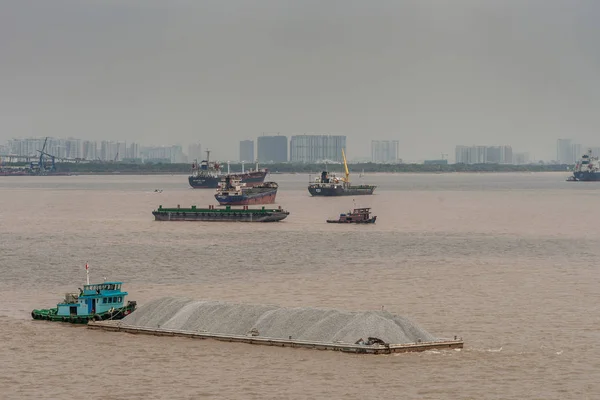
<point>347,179</point>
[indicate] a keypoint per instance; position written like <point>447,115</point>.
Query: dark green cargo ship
<point>331,185</point>
<point>226,214</point>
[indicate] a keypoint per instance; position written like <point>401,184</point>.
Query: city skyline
<point>302,148</point>
<point>428,74</point>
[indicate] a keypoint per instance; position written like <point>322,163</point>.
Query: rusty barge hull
<point>118,326</point>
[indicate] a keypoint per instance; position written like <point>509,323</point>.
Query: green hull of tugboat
<point>50,314</point>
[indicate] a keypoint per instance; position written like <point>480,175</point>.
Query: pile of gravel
<point>301,323</point>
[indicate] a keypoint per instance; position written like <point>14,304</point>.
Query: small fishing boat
<point>357,216</point>
<point>98,302</point>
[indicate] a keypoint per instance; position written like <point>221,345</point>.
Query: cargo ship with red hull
<point>232,192</point>
<point>207,175</point>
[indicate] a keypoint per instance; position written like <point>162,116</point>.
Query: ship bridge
<point>107,288</point>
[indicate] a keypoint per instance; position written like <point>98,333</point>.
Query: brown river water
<point>508,262</point>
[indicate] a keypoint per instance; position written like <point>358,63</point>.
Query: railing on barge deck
<point>118,326</point>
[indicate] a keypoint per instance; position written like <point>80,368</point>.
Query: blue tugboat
<point>101,301</point>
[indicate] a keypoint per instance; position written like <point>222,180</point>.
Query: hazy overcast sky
<point>429,73</point>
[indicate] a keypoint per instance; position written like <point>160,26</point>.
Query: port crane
<point>41,168</point>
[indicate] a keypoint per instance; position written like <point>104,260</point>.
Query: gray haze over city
<point>431,74</point>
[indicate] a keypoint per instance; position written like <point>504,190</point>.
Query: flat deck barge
<point>226,214</point>
<point>118,326</point>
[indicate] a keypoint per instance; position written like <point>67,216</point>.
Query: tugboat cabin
<point>93,299</point>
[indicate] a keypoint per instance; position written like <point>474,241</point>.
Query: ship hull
<point>367,221</point>
<point>267,197</point>
<point>25,173</point>
<point>50,315</point>
<point>10,173</point>
<point>212,182</point>
<point>339,190</point>
<point>582,176</point>
<point>221,216</point>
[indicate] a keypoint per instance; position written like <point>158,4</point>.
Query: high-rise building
<point>195,152</point>
<point>247,151</point>
<point>564,151</point>
<point>90,150</point>
<point>108,150</point>
<point>461,154</point>
<point>163,154</point>
<point>317,148</point>
<point>521,158</point>
<point>121,151</point>
<point>384,151</point>
<point>483,154</point>
<point>133,151</point>
<point>576,152</point>
<point>272,149</point>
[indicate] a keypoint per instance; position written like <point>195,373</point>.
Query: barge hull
<point>335,221</point>
<point>220,216</point>
<point>328,191</point>
<point>116,326</point>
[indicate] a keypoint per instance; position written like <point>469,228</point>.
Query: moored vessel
<point>587,169</point>
<point>232,192</point>
<point>98,302</point>
<point>330,185</point>
<point>226,214</point>
<point>208,174</point>
<point>356,216</point>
